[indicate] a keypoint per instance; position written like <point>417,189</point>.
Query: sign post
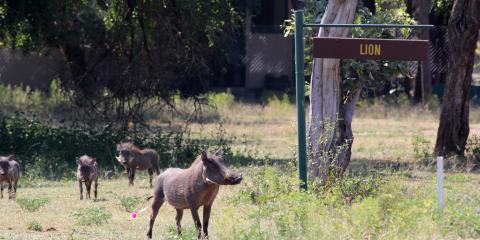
<point>300,98</point>
<point>392,49</point>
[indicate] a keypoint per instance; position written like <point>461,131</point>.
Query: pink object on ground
<point>133,215</point>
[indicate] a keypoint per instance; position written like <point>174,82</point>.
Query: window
<point>268,15</point>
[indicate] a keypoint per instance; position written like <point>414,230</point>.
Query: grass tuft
<point>32,204</point>
<point>91,216</point>
<point>129,203</point>
<point>35,226</point>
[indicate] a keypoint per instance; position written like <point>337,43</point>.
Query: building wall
<point>267,53</point>
<point>33,70</point>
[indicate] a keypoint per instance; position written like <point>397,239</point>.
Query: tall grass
<point>25,100</point>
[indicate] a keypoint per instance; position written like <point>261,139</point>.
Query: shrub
<point>32,204</point>
<point>356,188</point>
<point>421,147</point>
<point>473,146</point>
<point>35,226</point>
<point>50,152</point>
<point>91,216</point>
<point>472,150</point>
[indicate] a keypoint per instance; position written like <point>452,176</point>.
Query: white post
<point>440,182</point>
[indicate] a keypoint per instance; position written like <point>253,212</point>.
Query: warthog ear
<point>10,157</point>
<point>118,147</point>
<point>204,156</point>
<point>94,160</point>
<point>219,153</point>
<point>78,161</point>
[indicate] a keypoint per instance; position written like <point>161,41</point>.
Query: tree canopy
<point>120,51</point>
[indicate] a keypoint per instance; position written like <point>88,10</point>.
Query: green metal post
<point>300,85</point>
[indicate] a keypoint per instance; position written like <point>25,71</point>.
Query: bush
<point>32,204</point>
<point>91,216</point>
<point>50,152</point>
<point>472,150</point>
<point>421,147</point>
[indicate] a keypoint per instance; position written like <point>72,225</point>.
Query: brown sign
<point>364,48</point>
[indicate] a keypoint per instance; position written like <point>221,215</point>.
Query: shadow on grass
<point>364,167</point>
<point>244,161</point>
<point>100,200</point>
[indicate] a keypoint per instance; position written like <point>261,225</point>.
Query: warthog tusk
<point>210,181</point>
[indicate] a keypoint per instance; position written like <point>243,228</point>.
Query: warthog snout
<point>234,179</point>
<point>216,171</point>
<point>4,168</point>
<point>121,159</point>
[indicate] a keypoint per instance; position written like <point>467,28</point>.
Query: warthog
<point>9,173</point>
<point>133,158</point>
<point>87,172</point>
<point>192,188</point>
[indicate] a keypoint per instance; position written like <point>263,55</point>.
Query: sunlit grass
<point>404,207</point>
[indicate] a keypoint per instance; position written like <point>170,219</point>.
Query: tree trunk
<point>330,117</point>
<point>463,28</point>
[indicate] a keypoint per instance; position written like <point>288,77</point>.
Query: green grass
<point>371,203</point>
<point>32,204</point>
<point>91,216</point>
<point>266,206</point>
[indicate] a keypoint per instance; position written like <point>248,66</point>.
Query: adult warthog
<point>87,172</point>
<point>9,173</point>
<point>133,158</point>
<point>192,188</point>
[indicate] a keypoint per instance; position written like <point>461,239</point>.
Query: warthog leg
<point>178,218</point>
<point>206,217</point>
<point>131,176</point>
<point>150,172</point>
<point>10,190</point>
<point>81,189</point>
<point>15,187</point>
<point>95,190</point>
<point>156,204</point>
<point>1,190</point>
<point>196,220</point>
<point>88,186</point>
